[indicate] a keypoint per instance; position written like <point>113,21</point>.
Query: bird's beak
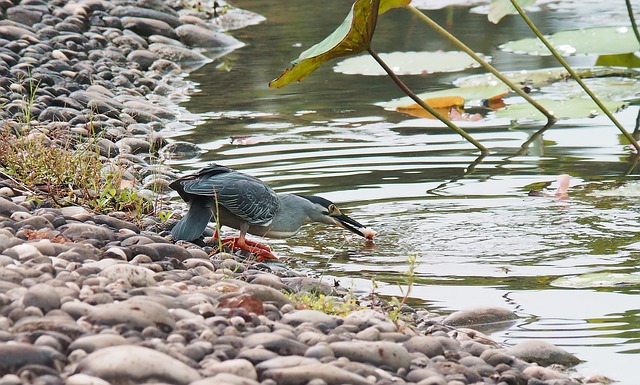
<point>350,224</point>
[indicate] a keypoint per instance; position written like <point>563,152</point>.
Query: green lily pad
<point>597,40</point>
<point>598,280</point>
<point>408,63</point>
<point>468,93</point>
<point>613,88</point>
<point>439,4</point>
<point>545,76</point>
<point>561,109</point>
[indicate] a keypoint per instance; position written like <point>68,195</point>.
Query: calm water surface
<point>480,240</point>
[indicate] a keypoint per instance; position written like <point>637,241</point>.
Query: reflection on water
<point>479,238</point>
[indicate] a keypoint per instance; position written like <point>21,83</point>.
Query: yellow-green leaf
<point>351,37</point>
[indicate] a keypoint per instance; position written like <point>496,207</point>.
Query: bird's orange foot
<point>262,252</point>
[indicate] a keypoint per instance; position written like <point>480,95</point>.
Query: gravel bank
<point>95,299</point>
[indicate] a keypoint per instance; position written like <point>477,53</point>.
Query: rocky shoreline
<point>90,298</point>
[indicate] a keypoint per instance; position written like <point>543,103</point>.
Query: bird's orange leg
<point>262,252</point>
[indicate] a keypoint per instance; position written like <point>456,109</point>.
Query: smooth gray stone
<point>196,36</point>
<point>544,374</point>
<point>181,150</point>
<point>285,362</point>
<point>225,379</point>
<point>143,57</point>
<point>14,32</point>
<point>137,276</point>
<point>321,320</point>
<point>131,364</point>
<point>431,346</point>
<point>158,251</point>
<point>132,145</point>
<point>115,223</point>
<point>7,207</point>
<point>484,319</point>
<point>542,353</point>
<point>147,27</point>
<point>176,54</point>
<point>83,231</point>
<point>135,106</point>
<point>257,355</point>
<point>147,13</point>
<point>58,114</point>
<point>135,312</point>
<point>37,222</point>
<point>276,343</point>
<point>95,342</point>
<point>366,318</point>
<point>43,296</point>
<point>15,355</point>
<point>240,367</point>
<point>420,374</point>
<point>266,294</point>
<point>453,368</point>
<point>61,323</point>
<point>23,252</point>
<point>84,379</point>
<point>377,353</point>
<point>331,374</point>
<point>309,284</point>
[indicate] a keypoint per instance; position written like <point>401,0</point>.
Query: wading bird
<point>245,203</point>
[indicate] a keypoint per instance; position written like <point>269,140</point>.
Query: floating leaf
<point>629,60</point>
<point>501,8</point>
<point>408,63</point>
<point>562,109</point>
<point>603,279</point>
<point>545,76</point>
<point>439,4</point>
<point>597,40</point>
<point>351,37</point>
<point>442,104</point>
<point>467,93</point>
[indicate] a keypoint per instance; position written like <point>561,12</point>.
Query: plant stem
<point>575,76</point>
<point>481,61</point>
<point>422,104</point>
<point>633,20</point>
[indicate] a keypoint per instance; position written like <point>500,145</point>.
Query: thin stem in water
<point>422,104</point>
<point>575,76</point>
<point>481,61</point>
<point>633,20</point>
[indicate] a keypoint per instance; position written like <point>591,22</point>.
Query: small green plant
<point>326,304</point>
<point>49,167</point>
<point>165,215</point>
<point>408,281</point>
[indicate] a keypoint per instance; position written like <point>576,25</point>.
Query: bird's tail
<point>192,225</point>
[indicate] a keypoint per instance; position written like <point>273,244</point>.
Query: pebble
<point>379,353</point>
<point>543,353</point>
<point>93,298</point>
<point>134,364</point>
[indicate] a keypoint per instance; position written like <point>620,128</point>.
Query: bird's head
<point>325,211</point>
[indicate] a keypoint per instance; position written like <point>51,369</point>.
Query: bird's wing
<point>243,195</point>
<point>248,198</point>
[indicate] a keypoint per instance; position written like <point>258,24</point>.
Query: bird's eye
<point>334,210</point>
